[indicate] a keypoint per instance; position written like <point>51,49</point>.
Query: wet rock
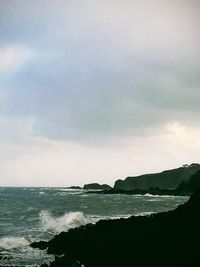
<point>41,245</point>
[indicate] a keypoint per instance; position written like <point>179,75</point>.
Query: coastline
<point>155,192</point>
<point>184,188</point>
<point>164,239</point>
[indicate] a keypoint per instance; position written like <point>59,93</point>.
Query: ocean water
<point>34,214</point>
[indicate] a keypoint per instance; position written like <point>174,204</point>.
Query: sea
<point>34,214</point>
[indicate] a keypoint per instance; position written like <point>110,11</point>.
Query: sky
<point>97,90</point>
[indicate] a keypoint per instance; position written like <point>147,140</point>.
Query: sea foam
<point>9,243</point>
<point>63,223</point>
<point>160,196</point>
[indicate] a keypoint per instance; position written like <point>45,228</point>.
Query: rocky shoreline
<point>185,188</point>
<point>164,239</point>
<point>165,180</point>
<point>151,191</point>
<point>177,182</point>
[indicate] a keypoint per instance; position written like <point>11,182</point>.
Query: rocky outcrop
<point>169,179</point>
<point>96,186</point>
<point>185,188</point>
<point>74,187</point>
<point>165,239</point>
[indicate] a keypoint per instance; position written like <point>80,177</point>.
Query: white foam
<point>63,223</point>
<point>145,213</point>
<point>95,218</point>
<point>161,196</point>
<point>71,190</point>
<point>9,243</point>
<point>75,192</point>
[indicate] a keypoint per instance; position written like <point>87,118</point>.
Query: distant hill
<point>169,179</point>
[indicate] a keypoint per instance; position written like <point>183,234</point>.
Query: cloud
<point>88,76</point>
<point>45,162</point>
<point>16,129</point>
<point>14,58</point>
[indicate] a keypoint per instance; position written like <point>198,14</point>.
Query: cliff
<point>165,239</point>
<point>169,179</point>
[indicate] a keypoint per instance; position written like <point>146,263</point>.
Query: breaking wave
<point>144,213</point>
<point>63,223</point>
<point>9,243</point>
<point>161,196</point>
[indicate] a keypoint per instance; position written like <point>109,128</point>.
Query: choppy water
<point>33,214</point>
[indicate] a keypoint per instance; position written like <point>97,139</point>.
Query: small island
<point>74,187</point>
<point>96,186</point>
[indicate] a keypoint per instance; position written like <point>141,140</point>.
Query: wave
<point>144,213</point>
<point>162,196</point>
<point>95,218</point>
<point>63,223</point>
<point>71,189</point>
<point>9,243</point>
<point>64,193</point>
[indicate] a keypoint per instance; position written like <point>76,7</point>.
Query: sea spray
<point>16,251</point>
<point>63,223</point>
<point>9,243</point>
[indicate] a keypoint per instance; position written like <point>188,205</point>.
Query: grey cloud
<point>98,75</point>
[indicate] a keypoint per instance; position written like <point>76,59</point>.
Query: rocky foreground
<point>165,239</point>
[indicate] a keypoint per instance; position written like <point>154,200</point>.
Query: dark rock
<point>74,187</point>
<point>41,245</point>
<point>169,179</point>
<point>96,186</point>
<point>191,184</point>
<point>63,260</point>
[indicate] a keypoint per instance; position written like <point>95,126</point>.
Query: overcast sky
<point>96,90</point>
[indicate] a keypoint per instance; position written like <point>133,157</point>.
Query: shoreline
<point>163,239</point>
<point>155,192</point>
